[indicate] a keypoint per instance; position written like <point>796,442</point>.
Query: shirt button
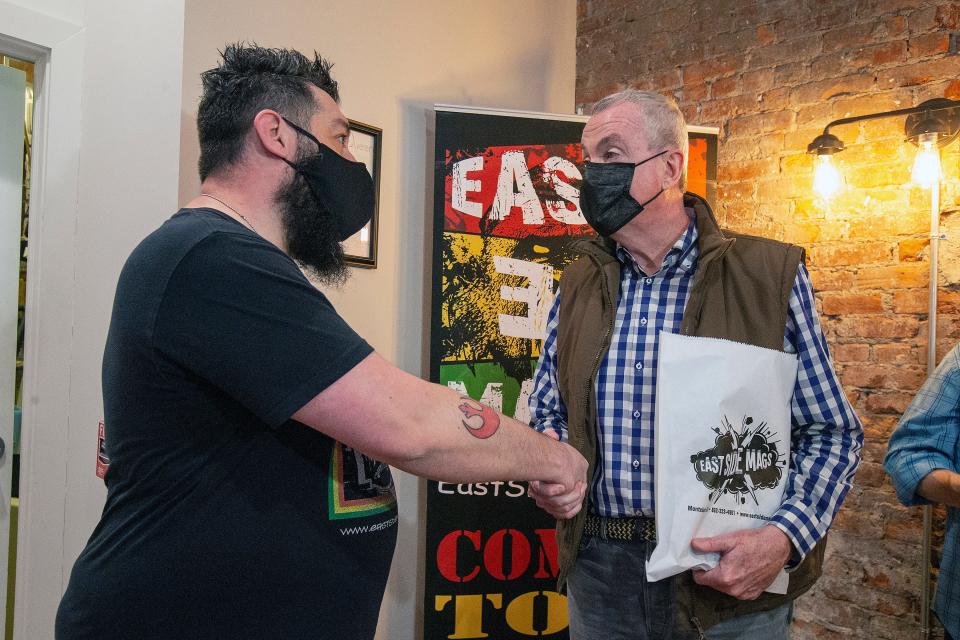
<point>636,414</point>
<point>636,464</point>
<point>639,366</point>
<point>649,280</point>
<point>643,322</point>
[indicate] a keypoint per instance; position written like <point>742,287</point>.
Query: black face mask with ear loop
<point>605,195</point>
<point>344,189</point>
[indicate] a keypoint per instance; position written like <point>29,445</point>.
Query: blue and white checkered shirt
<point>826,434</point>
<point>928,438</point>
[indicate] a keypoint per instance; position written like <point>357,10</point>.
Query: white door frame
<point>56,48</point>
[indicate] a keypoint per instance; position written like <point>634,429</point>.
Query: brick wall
<point>771,74</point>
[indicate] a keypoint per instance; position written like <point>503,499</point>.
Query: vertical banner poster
<point>507,212</point>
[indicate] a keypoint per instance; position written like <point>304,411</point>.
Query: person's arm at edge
<point>920,455</point>
<point>941,486</point>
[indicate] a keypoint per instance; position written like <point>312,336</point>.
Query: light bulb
<point>926,167</point>
<point>826,177</point>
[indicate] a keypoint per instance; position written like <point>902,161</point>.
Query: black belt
<point>640,528</point>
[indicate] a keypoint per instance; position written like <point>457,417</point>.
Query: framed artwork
<point>360,249</point>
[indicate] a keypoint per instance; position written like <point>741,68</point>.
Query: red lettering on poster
<point>515,192</point>
<point>447,555</point>
<point>493,556</point>
<point>548,566</point>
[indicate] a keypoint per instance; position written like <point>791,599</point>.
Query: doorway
<point>16,77</point>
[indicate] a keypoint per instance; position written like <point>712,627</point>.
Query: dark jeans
<point>610,599</point>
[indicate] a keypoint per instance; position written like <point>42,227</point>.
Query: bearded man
<point>247,424</point>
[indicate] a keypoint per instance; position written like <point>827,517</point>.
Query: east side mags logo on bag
<point>741,462</point>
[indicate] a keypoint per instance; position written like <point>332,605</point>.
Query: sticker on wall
<point>103,462</point>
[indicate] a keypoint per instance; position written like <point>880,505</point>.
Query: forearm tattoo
<point>480,420</point>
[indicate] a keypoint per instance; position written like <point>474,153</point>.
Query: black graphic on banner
<point>507,208</point>
<point>742,461</point>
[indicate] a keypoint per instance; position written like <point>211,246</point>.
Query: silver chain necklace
<point>242,217</point>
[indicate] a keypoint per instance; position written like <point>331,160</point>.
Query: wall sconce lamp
<point>930,125</point>
<point>827,178</point>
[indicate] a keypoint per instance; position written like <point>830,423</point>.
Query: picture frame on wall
<point>360,249</point>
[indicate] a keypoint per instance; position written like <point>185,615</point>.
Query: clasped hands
<point>562,500</point>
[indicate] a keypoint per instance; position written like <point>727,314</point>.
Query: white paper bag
<point>721,445</point>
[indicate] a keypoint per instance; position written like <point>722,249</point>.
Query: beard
<point>310,234</point>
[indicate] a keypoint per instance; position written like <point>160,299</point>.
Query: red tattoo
<point>481,421</point>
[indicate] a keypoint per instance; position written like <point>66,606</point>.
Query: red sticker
<point>103,462</point>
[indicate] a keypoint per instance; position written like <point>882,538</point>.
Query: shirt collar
<point>682,255</point>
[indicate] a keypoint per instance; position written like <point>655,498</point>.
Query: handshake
<point>562,496</point>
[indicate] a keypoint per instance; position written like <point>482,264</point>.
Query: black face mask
<point>342,188</point>
<point>605,195</point>
<point>310,233</point>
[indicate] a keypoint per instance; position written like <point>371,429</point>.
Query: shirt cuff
<point>795,557</point>
<point>799,535</point>
<point>560,431</point>
<point>906,484</point>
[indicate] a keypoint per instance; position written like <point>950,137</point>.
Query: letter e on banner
<point>538,295</point>
<point>461,185</point>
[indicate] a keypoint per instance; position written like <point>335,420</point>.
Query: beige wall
<point>127,187</point>
<point>106,162</point>
<point>393,61</point>
<point>70,11</point>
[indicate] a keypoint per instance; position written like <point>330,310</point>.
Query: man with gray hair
<point>662,264</point>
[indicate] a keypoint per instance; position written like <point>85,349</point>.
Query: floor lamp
<point>930,125</point>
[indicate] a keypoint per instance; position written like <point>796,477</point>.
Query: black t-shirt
<point>224,518</point>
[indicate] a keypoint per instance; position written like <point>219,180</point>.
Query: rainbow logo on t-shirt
<point>359,486</point>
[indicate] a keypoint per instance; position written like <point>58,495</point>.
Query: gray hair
<point>665,125</point>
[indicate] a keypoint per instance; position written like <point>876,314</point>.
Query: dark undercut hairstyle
<point>248,80</point>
